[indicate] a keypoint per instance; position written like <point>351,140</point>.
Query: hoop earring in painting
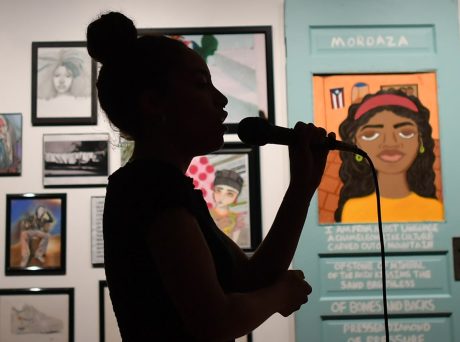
<point>359,158</point>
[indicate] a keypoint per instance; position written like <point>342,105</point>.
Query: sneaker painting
<point>29,320</point>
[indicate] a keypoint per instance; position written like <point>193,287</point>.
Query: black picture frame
<point>10,144</point>
<point>63,84</point>
<point>97,238</point>
<point>76,160</point>
<point>35,234</point>
<point>49,312</point>
<point>241,219</point>
<point>108,328</point>
<point>237,69</point>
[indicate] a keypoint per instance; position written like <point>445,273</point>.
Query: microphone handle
<point>285,136</point>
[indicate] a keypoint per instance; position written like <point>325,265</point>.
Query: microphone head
<point>254,131</point>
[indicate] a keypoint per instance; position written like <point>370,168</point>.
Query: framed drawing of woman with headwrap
<point>63,78</point>
<point>394,119</point>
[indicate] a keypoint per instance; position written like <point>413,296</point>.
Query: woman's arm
<point>276,251</point>
<point>187,270</point>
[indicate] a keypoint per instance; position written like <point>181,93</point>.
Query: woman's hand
<point>294,289</point>
<point>307,157</point>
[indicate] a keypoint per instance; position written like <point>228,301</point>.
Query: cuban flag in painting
<point>337,98</point>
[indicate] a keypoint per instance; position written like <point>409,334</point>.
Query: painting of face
<point>224,195</point>
<point>62,79</point>
<point>391,141</point>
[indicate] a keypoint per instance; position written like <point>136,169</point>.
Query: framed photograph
<point>37,314</point>
<point>10,144</point>
<point>35,234</point>
<point>63,84</point>
<point>97,239</point>
<point>241,64</point>
<point>108,327</point>
<point>230,182</point>
<point>75,160</point>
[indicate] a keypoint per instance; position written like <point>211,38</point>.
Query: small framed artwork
<point>75,160</point>
<point>241,64</point>
<point>10,144</point>
<point>35,234</point>
<point>97,239</point>
<point>37,314</point>
<point>230,182</point>
<point>108,327</point>
<point>63,84</point>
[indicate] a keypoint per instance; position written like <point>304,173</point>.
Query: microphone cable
<point>382,246</point>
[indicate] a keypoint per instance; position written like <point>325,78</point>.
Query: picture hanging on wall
<point>75,160</point>
<point>63,84</point>
<point>10,144</point>
<point>230,182</point>
<point>241,65</point>
<point>108,327</point>
<point>97,239</point>
<point>37,314</point>
<point>403,143</point>
<point>35,234</point>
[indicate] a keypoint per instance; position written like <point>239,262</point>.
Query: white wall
<point>24,21</point>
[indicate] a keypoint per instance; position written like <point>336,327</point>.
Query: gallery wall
<point>24,22</point>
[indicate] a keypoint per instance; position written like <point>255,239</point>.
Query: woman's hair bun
<point>111,37</point>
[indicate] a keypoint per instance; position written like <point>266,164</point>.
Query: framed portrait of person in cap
<point>230,182</point>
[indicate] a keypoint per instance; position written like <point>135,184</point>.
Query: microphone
<point>258,132</point>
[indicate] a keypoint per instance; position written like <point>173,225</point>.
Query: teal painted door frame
<point>340,37</point>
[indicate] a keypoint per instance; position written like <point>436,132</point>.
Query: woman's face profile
<point>62,79</point>
<point>390,140</point>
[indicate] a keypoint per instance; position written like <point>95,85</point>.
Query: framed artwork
<point>241,64</point>
<point>75,160</point>
<point>37,314</point>
<point>97,239</point>
<point>108,327</point>
<point>230,182</point>
<point>403,143</point>
<point>35,234</point>
<point>63,84</point>
<point>10,144</point>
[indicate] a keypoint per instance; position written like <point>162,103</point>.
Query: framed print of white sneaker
<point>37,314</point>
<point>29,320</point>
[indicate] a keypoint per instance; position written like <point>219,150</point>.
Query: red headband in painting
<point>385,100</point>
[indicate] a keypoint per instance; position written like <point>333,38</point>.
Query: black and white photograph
<point>63,78</point>
<point>37,314</point>
<point>230,183</point>
<point>75,160</point>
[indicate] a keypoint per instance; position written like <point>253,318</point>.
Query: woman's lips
<point>391,156</point>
